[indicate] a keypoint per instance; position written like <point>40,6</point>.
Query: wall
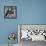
<point>28,12</point>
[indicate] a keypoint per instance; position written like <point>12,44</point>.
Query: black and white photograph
<point>31,35</point>
<point>10,12</point>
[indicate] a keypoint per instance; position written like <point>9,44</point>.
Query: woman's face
<point>9,9</point>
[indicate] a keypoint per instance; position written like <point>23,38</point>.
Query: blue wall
<point>28,12</point>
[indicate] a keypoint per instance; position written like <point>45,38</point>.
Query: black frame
<point>5,7</point>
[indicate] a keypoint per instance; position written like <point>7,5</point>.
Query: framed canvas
<point>32,32</point>
<point>10,12</point>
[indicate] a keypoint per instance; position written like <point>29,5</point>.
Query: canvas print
<point>32,34</point>
<point>10,12</point>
